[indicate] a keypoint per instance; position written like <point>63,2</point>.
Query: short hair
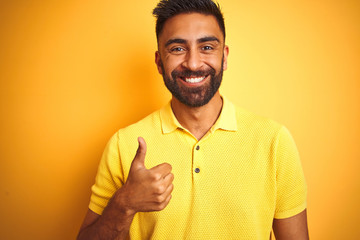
<point>167,9</point>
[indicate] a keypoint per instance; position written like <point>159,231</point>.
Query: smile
<point>194,79</point>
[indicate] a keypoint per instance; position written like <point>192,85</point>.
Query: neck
<point>198,120</point>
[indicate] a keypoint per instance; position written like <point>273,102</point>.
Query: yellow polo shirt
<point>229,185</point>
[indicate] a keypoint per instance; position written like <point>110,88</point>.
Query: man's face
<point>191,57</point>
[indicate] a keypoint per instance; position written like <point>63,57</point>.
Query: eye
<point>207,48</point>
<point>177,49</point>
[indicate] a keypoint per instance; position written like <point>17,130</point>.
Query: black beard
<point>193,97</point>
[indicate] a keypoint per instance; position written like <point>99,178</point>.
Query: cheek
<point>214,60</point>
<point>172,63</point>
<point>216,65</point>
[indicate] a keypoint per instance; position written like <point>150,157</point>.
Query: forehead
<point>190,26</point>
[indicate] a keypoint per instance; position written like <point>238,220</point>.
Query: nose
<point>193,60</point>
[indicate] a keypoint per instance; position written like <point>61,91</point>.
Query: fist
<point>147,189</point>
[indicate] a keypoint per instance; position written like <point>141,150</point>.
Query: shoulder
<point>148,123</point>
<point>149,126</point>
<point>256,124</point>
<point>264,131</point>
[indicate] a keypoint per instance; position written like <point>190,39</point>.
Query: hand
<point>147,190</point>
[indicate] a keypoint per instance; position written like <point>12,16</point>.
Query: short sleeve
<point>109,177</point>
<point>290,181</point>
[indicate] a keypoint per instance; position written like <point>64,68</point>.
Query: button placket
<point>197,161</point>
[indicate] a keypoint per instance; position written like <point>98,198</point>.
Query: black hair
<point>166,9</point>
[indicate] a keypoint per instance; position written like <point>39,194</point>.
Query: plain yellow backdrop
<point>73,72</point>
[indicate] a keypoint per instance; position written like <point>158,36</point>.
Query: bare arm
<point>114,223</point>
<point>293,228</point>
<point>145,190</point>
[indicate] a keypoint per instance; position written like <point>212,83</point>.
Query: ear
<point>226,53</point>
<point>158,62</point>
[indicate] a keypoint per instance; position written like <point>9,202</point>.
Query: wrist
<point>117,216</point>
<point>122,203</point>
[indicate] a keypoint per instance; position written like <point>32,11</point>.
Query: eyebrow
<point>175,40</point>
<point>200,40</point>
<point>208,39</point>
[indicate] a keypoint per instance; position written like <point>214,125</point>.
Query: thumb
<point>139,158</point>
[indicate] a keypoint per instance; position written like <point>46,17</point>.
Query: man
<point>199,168</point>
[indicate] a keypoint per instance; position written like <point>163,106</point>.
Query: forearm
<point>113,224</point>
<point>102,230</point>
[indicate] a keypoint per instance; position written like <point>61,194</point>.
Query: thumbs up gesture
<point>147,189</point>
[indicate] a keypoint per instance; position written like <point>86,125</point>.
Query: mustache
<point>188,73</point>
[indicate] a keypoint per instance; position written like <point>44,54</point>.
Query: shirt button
<point>197,170</point>
<point>197,147</point>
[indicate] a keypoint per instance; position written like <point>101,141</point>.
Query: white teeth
<point>194,80</point>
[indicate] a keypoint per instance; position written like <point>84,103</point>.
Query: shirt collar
<point>226,120</point>
<point>169,122</point>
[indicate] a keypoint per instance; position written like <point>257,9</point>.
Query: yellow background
<point>73,72</point>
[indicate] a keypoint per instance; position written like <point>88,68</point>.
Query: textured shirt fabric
<point>229,185</point>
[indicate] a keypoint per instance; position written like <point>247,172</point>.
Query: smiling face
<point>191,57</point>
